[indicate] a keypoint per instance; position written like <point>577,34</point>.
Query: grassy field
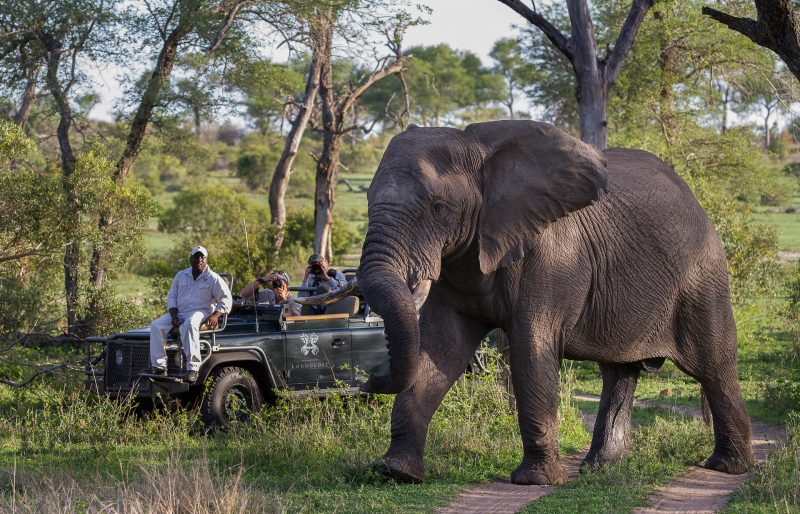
<point>302,455</point>
<point>786,223</point>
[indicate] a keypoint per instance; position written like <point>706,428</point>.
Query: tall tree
<point>320,22</point>
<point>62,33</point>
<point>510,65</point>
<point>776,27</point>
<point>337,106</point>
<point>595,74</point>
<point>172,22</point>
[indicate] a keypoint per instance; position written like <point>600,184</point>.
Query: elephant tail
<point>704,406</point>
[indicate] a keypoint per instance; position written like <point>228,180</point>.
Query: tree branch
<point>375,76</point>
<point>750,28</point>
<point>776,28</point>
<point>625,40</point>
<point>229,19</point>
<point>553,34</point>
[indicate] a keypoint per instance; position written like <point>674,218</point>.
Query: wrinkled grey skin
<point>573,253</point>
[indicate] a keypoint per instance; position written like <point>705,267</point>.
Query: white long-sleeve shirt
<point>208,293</point>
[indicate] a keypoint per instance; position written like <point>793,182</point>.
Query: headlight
<point>118,358</point>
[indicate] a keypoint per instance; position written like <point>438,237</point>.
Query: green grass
<point>787,224</point>
<point>663,448</point>
<point>302,455</point>
<point>775,485</point>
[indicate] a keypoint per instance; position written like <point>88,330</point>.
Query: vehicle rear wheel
<point>230,399</point>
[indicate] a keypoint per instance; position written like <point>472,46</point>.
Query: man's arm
<point>222,294</point>
<point>249,291</point>
<point>172,296</point>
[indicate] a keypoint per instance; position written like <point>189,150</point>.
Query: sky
<point>463,24</point>
<point>466,24</point>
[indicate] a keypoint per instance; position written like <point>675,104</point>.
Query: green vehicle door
<point>318,353</point>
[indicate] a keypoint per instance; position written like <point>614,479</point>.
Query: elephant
<point>574,253</point>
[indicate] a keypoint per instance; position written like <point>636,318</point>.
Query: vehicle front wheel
<point>231,398</point>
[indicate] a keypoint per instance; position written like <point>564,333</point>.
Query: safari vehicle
<point>254,350</point>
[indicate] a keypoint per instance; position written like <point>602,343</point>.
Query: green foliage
<point>239,235</point>
<point>442,81</point>
<point>301,453</point>
<point>793,287</point>
<point>256,166</point>
<point>750,247</point>
<point>775,485</point>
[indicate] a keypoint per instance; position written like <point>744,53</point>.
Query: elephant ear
<point>533,173</point>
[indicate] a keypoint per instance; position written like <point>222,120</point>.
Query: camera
<point>277,283</point>
<point>316,269</point>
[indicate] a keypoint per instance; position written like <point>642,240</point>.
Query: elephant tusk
<point>421,294</point>
<point>348,289</point>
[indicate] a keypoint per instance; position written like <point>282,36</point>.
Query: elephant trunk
<point>390,296</point>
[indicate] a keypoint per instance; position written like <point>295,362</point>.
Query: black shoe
<point>158,371</point>
<point>191,377</point>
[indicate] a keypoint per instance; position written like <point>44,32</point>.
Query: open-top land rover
<point>254,350</point>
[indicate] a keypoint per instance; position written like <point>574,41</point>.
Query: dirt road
<point>698,490</point>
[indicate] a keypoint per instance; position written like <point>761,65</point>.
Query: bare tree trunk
<point>595,75</point>
<point>592,106</point>
<point>334,112</point>
<point>283,170</point>
<point>725,101</point>
<point>161,73</point>
<point>329,158</point>
<point>198,121</point>
<point>767,134</point>
<point>164,64</point>
<point>72,248</point>
<point>26,105</point>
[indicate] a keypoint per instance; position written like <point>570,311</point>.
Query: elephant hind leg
<point>707,351</point>
<point>611,437</point>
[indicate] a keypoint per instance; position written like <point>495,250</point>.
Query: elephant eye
<point>439,208</point>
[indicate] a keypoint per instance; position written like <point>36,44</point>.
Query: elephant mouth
<point>420,293</point>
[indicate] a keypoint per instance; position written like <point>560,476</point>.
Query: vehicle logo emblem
<point>309,344</point>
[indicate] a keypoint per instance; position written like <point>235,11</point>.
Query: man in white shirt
<point>197,293</point>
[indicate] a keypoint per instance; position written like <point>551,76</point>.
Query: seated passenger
<point>321,277</point>
<point>196,294</point>
<point>280,291</point>
<point>251,292</point>
<point>275,291</point>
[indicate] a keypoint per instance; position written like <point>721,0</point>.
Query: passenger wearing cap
<point>319,275</point>
<point>196,294</point>
<point>275,291</point>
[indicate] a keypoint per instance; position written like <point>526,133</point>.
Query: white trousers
<point>190,336</point>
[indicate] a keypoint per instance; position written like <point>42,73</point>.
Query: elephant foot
<point>399,470</point>
<point>596,460</point>
<point>542,473</point>
<point>733,463</point>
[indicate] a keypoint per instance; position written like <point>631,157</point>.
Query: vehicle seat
<point>347,305</point>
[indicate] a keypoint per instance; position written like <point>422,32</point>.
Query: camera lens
<point>277,283</point>
<point>316,269</point>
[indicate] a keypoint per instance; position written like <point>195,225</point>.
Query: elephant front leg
<point>534,372</point>
<point>448,341</point>
<point>611,437</point>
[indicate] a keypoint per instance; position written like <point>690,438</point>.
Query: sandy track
<point>698,491</point>
<point>503,497</point>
